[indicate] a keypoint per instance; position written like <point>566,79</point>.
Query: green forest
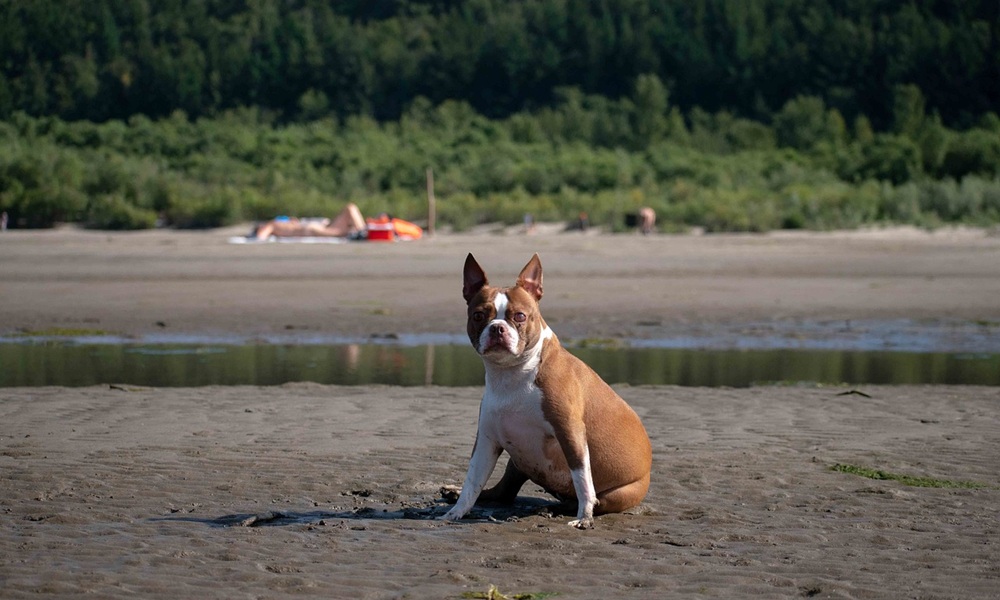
<point>729,115</point>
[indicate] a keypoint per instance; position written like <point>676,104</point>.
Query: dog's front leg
<point>586,496</point>
<point>574,445</point>
<point>485,455</point>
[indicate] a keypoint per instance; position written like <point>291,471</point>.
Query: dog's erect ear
<point>530,279</point>
<point>475,278</point>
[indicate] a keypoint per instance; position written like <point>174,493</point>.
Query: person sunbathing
<point>347,223</point>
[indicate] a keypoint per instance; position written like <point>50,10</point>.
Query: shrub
<point>461,211</point>
<point>831,205</point>
<point>40,184</point>
<point>974,152</point>
<point>888,157</point>
<point>114,211</point>
<point>212,207</point>
<point>973,200</point>
<point>801,123</point>
<point>734,211</point>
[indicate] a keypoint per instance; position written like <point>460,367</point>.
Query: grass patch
<point>928,482</point>
<point>495,594</point>
<point>59,332</point>
<point>598,343</point>
<point>986,323</point>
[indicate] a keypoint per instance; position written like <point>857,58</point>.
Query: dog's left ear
<point>530,279</point>
<point>474,278</point>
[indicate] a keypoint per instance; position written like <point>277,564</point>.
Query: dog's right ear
<point>475,278</point>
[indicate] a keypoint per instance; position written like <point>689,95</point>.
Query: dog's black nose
<point>496,330</point>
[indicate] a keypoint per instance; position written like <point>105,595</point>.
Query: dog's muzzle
<point>499,335</point>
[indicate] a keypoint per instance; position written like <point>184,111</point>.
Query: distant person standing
<point>647,220</point>
<point>582,223</point>
<point>529,223</point>
<point>3,221</point>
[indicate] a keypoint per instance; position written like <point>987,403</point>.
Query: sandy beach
<point>596,286</point>
<point>312,491</point>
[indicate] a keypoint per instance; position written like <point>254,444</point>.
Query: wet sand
<point>317,491</point>
<point>328,492</point>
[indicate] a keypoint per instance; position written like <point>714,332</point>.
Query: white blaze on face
<point>500,302</point>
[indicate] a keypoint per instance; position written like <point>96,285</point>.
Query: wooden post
<point>431,203</point>
<point>429,365</point>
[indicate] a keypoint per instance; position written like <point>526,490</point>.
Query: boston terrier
<point>563,427</point>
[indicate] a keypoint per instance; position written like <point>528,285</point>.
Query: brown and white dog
<point>562,425</point>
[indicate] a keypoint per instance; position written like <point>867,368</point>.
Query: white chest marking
<point>512,415</point>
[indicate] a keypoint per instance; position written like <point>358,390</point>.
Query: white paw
<point>586,523</point>
<point>451,515</point>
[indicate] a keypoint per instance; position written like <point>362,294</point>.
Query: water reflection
<point>165,365</point>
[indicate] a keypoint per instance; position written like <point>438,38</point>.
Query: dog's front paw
<point>451,515</point>
<point>586,523</point>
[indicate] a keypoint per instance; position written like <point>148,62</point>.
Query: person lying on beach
<point>347,223</point>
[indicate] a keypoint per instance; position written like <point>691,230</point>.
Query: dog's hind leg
<point>622,497</point>
<point>505,491</point>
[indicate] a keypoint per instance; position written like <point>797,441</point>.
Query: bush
<point>832,205</point>
<point>974,152</point>
<point>973,200</point>
<point>461,211</point>
<point>888,157</point>
<point>733,211</point>
<point>113,211</point>
<point>40,184</point>
<point>202,208</point>
<point>801,123</point>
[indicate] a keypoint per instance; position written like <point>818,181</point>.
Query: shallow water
<point>392,362</point>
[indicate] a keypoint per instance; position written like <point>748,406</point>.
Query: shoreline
<point>896,335</point>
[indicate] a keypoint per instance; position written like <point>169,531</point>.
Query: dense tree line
<point>729,115</point>
<point>303,59</point>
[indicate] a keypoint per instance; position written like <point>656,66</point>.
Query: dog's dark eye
<point>478,316</point>
<point>520,317</point>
